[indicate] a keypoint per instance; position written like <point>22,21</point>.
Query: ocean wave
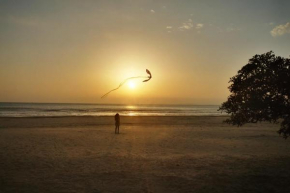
<point>59,110</point>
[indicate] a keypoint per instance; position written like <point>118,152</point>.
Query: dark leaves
<point>260,92</point>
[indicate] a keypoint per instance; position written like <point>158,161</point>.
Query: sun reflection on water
<point>131,107</point>
<point>132,114</point>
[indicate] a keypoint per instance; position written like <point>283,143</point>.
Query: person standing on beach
<point>117,123</point>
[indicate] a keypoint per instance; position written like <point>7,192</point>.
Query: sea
<point>67,110</point>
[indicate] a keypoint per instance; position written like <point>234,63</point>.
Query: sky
<point>67,51</point>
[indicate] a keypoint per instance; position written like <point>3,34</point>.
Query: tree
<point>261,92</point>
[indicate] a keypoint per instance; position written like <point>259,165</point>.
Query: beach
<point>151,154</point>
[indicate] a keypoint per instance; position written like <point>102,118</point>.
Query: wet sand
<point>151,154</point>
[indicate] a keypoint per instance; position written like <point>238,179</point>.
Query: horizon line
<point>79,103</point>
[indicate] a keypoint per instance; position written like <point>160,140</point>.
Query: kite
<point>121,84</point>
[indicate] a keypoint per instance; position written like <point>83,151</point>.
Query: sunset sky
<point>76,51</point>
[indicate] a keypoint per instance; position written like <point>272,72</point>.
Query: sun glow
<point>131,85</point>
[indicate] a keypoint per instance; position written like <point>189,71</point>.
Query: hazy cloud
<point>199,26</point>
<point>189,24</point>
<point>280,30</point>
<point>186,25</point>
<point>152,11</point>
<point>169,27</point>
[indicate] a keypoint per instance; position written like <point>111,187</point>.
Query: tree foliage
<point>261,92</point>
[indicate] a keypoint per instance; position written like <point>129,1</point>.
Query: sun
<point>131,85</point>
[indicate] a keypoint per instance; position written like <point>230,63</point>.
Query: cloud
<point>199,26</point>
<point>152,11</point>
<point>169,27</point>
<point>186,25</point>
<point>281,30</point>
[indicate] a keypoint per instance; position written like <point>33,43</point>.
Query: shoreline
<point>93,121</point>
<point>85,116</point>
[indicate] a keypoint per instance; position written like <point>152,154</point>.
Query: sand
<point>151,154</point>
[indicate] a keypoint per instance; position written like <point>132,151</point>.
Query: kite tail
<point>110,91</point>
<point>122,84</point>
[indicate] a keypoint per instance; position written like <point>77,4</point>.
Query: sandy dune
<point>151,154</point>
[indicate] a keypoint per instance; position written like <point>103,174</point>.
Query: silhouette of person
<point>117,123</point>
